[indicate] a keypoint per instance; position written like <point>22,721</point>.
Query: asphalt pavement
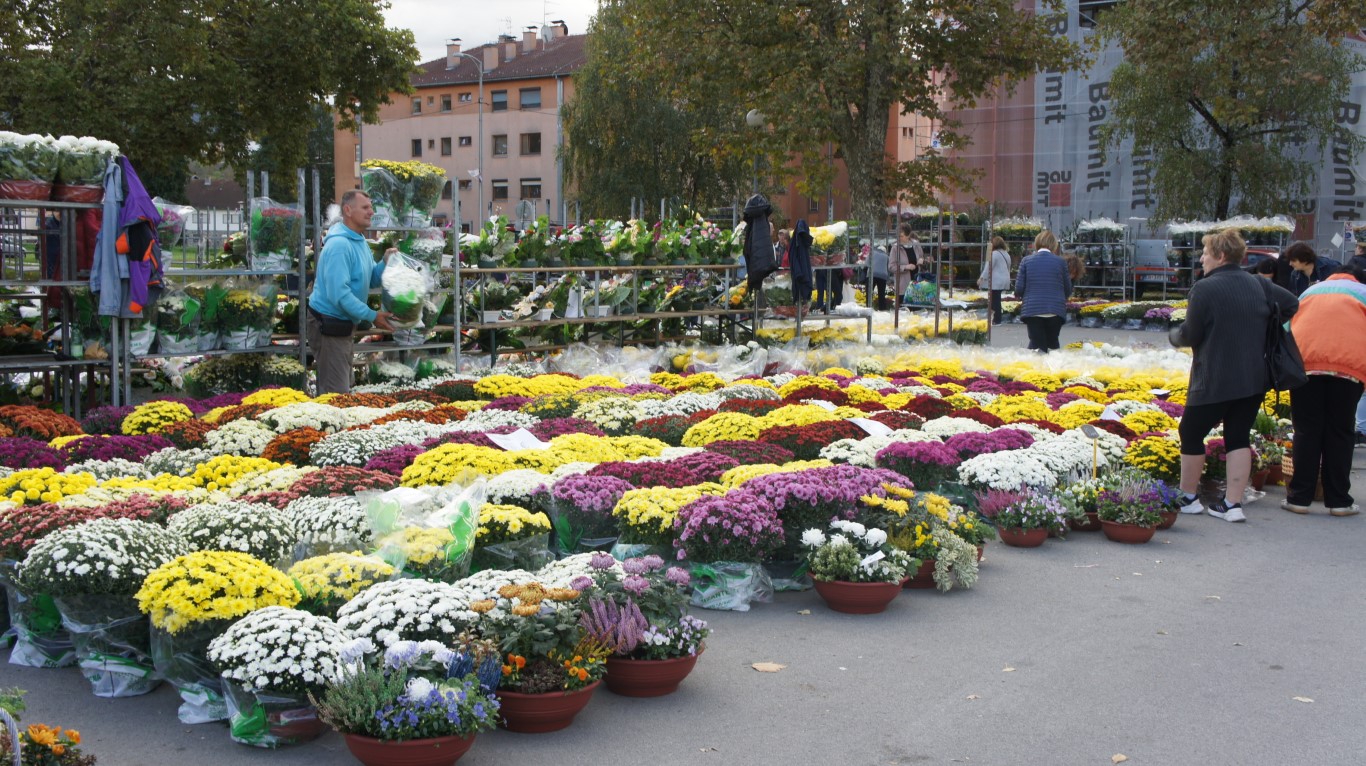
<point>1214,644</point>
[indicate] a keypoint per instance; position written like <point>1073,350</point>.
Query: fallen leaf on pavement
<point>973,697</point>
<point>1008,670</point>
<point>767,667</point>
<point>1301,699</point>
<point>1118,758</point>
<point>1213,598</point>
<point>803,611</point>
<point>1161,632</point>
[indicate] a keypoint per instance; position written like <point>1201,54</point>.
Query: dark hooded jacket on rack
<point>759,258</point>
<point>800,262</point>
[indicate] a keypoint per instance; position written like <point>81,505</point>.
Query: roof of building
<point>556,57</point>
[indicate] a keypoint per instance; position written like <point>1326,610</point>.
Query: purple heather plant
<point>23,452</point>
<point>737,526</point>
<point>617,627</point>
<point>971,444</point>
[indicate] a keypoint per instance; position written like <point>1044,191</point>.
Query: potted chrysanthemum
<point>854,568</point>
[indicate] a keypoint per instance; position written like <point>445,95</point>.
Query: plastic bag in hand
<point>405,287</point>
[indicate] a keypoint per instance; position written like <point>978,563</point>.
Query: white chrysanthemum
<point>813,538</point>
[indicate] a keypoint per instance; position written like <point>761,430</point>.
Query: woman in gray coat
<point>1226,323</point>
<point>996,276</point>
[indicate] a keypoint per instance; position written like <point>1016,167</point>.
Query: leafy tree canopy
<point>173,81</point>
<point>828,74</point>
<point>1233,98</point>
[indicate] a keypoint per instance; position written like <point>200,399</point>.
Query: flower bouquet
<point>426,533</point>
<point>1134,499</point>
<point>81,163</point>
<point>725,537</point>
<point>405,291</point>
<point>177,322</point>
<point>246,315</point>
<point>28,166</point>
<point>511,537</point>
<point>40,641</point>
<point>190,602</point>
<point>492,298</point>
<point>276,234</point>
<point>385,191</point>
<point>329,525</point>
<point>494,243</point>
<point>582,512</point>
<point>545,646</point>
<point>172,226</point>
<point>413,699</point>
<point>931,530</point>
<point>422,184</point>
<point>855,570</point>
<point>92,571</point>
<point>272,661</point>
<point>407,610</point>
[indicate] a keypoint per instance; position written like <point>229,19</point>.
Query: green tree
<point>826,75</point>
<point>175,81</point>
<point>1232,98</point>
<point>627,137</point>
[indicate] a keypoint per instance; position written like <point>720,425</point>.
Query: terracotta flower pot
<point>1259,479</point>
<point>857,597</point>
<point>923,577</point>
<point>981,551</point>
<point>540,713</point>
<point>1168,519</point>
<point>1275,475</point>
<point>1089,524</point>
<point>1022,538</point>
<point>648,678</point>
<point>1132,534</point>
<point>436,751</point>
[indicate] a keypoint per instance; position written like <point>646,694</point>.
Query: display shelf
<point>35,362</point>
<point>219,352</point>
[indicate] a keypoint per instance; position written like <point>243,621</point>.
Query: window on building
<point>531,188</point>
<point>530,98</point>
<point>417,147</point>
<point>446,146</point>
<point>431,143</point>
<point>813,205</point>
<point>531,143</point>
<point>357,152</point>
<point>466,98</point>
<point>500,101</point>
<point>500,146</point>
<point>464,140</point>
<point>417,106</point>
<point>446,191</point>
<point>466,184</point>
<point>431,100</point>
<point>500,189</point>
<point>446,102</point>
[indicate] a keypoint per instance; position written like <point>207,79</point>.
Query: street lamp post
<point>480,64</point>
<point>755,119</point>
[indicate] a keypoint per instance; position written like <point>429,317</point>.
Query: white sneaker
<point>1195,506</point>
<point>1351,510</point>
<point>1222,510</point>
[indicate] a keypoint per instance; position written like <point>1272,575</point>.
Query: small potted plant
<point>1023,518</point>
<point>492,298</point>
<point>854,568</point>
<point>1130,510</point>
<point>416,703</point>
<point>638,609</point>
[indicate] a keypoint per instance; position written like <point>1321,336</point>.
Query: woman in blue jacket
<point>1043,285</point>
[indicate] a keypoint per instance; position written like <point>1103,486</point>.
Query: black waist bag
<point>331,326</point>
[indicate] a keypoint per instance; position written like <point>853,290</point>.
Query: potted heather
<point>1024,517</point>
<point>854,568</point>
<point>416,703</point>
<point>725,537</point>
<point>1130,509</point>
<point>638,609</point>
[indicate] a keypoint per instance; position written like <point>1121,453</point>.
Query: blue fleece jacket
<point>346,272</point>
<point>1043,285</point>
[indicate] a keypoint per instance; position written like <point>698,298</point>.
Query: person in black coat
<point>799,260</point>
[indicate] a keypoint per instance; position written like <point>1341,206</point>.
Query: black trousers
<point>996,306</point>
<point>1324,413</point>
<point>1043,332</point>
<point>880,287</point>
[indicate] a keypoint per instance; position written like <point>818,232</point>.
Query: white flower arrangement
<point>245,438</point>
<point>671,453</point>
<point>559,574</point>
<point>1038,432</point>
<point>415,610</point>
<point>515,487</point>
<point>875,561</point>
<point>1008,469</point>
<point>919,390</point>
<point>1100,224</point>
<point>392,372</point>
<point>323,417</point>
<point>176,462</point>
<point>780,379</point>
<point>109,469</point>
<point>484,585</point>
<point>685,403</point>
<point>254,528</point>
<point>1084,380</point>
<point>1068,458</point>
<point>950,426</point>
<point>742,389</point>
<point>274,480</point>
<point>281,651</point>
<point>101,556</point>
<point>570,469</point>
<point>982,398</point>
<point>330,524</point>
<point>355,448</point>
<point>485,420</point>
<point>378,388</point>
<point>1129,406</point>
<point>614,414</point>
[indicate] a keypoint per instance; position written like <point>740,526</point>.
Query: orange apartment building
<point>525,83</point>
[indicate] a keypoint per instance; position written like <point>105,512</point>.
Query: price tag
<point>519,439</point>
<point>822,404</point>
<point>871,427</point>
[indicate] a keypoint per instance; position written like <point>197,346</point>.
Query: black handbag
<point>331,326</point>
<point>1284,365</point>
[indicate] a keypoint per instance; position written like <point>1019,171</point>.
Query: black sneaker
<point>1222,510</point>
<point>1361,439</point>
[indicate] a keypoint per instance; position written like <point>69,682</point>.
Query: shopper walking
<point>905,260</point>
<point>1328,329</point>
<point>1307,268</point>
<point>1043,285</point>
<point>346,272</point>
<point>995,276</point>
<point>1225,326</point>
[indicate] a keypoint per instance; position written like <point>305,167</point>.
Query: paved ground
<point>1189,650</point>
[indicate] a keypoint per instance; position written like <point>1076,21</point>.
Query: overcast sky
<point>477,22</point>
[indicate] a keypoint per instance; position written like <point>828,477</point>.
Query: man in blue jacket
<point>346,272</point>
